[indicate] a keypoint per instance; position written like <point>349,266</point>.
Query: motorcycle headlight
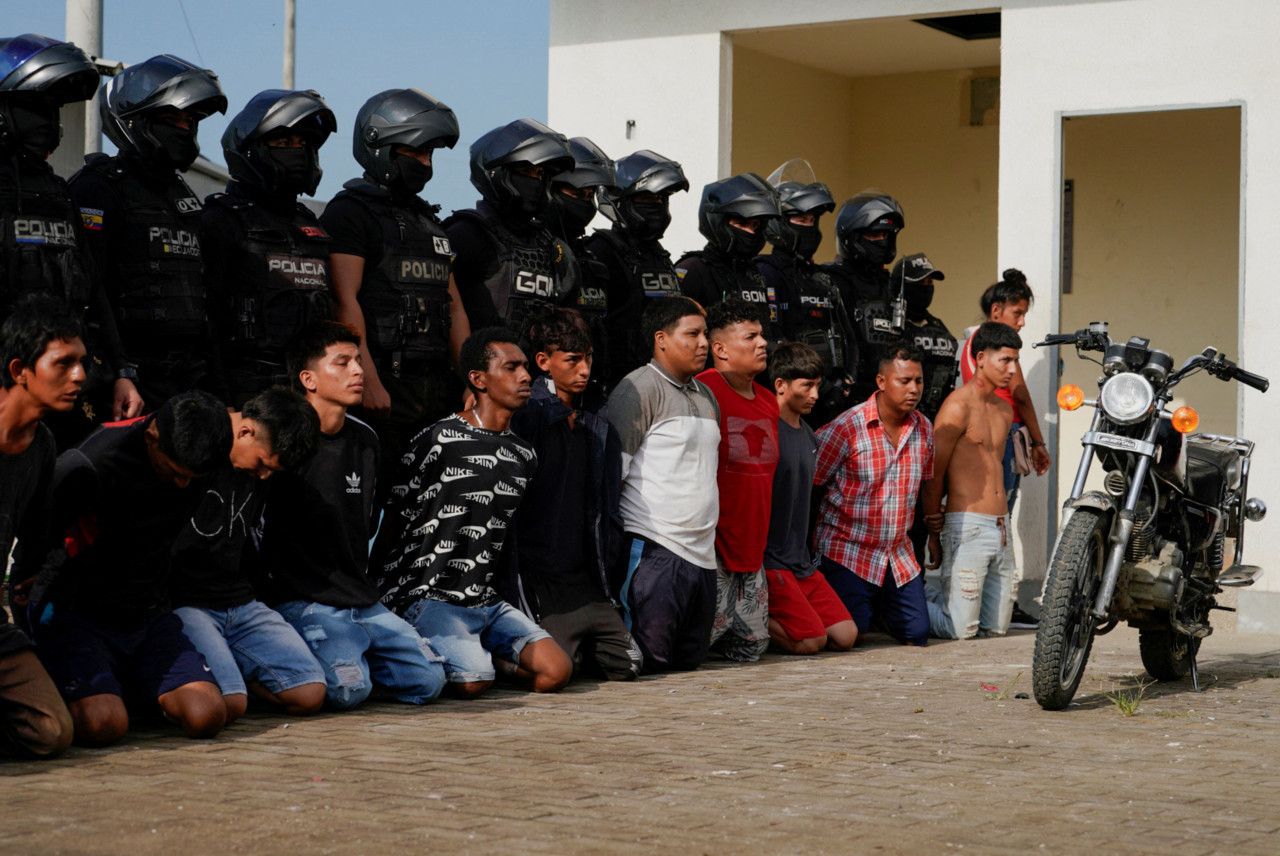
<point>1126,397</point>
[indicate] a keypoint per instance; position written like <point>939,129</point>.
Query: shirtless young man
<point>971,540</point>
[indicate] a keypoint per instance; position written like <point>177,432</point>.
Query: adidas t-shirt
<point>446,522</point>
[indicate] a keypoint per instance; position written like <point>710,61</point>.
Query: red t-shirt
<point>748,457</point>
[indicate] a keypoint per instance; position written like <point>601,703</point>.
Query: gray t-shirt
<point>788,547</point>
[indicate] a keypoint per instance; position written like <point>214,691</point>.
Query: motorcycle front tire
<point>1065,635</point>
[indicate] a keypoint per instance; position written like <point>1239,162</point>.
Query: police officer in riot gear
<point>915,276</point>
<point>867,229</point>
<point>390,267</point>
<point>639,269</point>
<point>572,208</point>
<point>42,242</point>
<point>143,222</point>
<point>507,262</point>
<point>810,305</point>
<point>266,255</point>
<point>732,216</point>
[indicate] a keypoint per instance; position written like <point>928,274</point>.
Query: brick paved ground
<point>885,750</point>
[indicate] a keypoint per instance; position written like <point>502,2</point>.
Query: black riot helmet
<point>495,156</point>
<point>400,117</point>
<point>130,101</point>
<point>870,211</point>
<point>797,198</point>
<point>37,76</point>
<point>644,171</point>
<point>747,196</point>
<point>568,215</point>
<point>245,142</point>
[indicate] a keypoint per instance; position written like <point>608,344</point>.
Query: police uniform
<point>933,338</point>
<point>502,273</point>
<point>404,297</point>
<point>711,276</point>
<point>869,301</point>
<point>267,270</point>
<point>143,232</point>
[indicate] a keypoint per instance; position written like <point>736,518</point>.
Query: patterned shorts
<point>741,628</point>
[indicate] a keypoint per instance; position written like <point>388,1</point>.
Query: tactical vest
<point>590,297</point>
<point>534,270</point>
<point>405,298</point>
<point>814,314</point>
<point>745,283</point>
<point>277,280</point>
<point>159,269</point>
<point>871,310</point>
<point>646,274</point>
<point>651,273</point>
<point>40,248</point>
<point>939,348</point>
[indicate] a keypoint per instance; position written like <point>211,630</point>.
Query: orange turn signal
<point>1185,420</point>
<point>1070,397</point>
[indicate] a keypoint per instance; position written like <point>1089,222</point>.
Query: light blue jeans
<point>468,638</point>
<point>355,645</point>
<point>250,642</point>
<point>978,578</point>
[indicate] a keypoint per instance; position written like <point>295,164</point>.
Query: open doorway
<point>1151,225</point>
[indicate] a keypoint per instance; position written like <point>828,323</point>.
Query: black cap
<point>915,269</point>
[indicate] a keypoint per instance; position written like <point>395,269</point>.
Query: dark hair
<point>904,350</point>
<point>559,329</point>
<point>310,343</point>
<point>992,336</point>
<point>735,310</point>
<point>665,313</point>
<point>477,351</point>
<point>195,431</point>
<point>1012,288</point>
<point>292,425</point>
<point>795,361</point>
<point>25,335</point>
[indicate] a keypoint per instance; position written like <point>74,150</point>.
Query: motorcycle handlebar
<point>1256,381</point>
<point>1058,339</point>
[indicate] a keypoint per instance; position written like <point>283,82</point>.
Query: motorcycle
<point>1149,548</point>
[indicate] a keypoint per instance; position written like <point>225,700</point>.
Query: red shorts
<point>805,608</point>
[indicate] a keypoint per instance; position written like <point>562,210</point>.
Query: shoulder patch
<point>92,218</point>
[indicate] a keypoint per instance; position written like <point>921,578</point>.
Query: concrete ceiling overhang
<point>866,48</point>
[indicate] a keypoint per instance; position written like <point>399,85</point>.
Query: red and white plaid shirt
<point>871,490</point>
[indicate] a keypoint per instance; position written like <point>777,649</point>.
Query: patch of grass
<point>1001,695</point>
<point>1129,702</point>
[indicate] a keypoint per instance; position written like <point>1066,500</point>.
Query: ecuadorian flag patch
<point>92,218</point>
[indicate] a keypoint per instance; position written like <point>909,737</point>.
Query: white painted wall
<point>1145,54</point>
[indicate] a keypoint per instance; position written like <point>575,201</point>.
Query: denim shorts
<point>252,643</point>
<point>468,638</point>
<point>359,645</point>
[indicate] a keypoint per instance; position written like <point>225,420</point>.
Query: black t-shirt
<point>354,229</point>
<point>551,523</point>
<point>448,516</point>
<point>788,544</point>
<point>25,481</point>
<point>208,569</point>
<point>317,524</point>
<point>475,260</point>
<point>118,521</point>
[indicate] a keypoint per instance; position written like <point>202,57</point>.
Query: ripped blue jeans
<point>978,578</point>
<point>357,646</point>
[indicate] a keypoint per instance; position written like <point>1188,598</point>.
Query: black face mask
<point>177,145</point>
<point>655,217</point>
<point>807,240</point>
<point>570,216</point>
<point>745,244</point>
<point>918,299</point>
<point>414,174</point>
<point>296,170</point>
<point>877,252</point>
<point>36,127</point>
<point>531,194</point>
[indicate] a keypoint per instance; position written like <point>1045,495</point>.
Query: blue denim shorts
<point>468,638</point>
<point>359,645</point>
<point>250,642</point>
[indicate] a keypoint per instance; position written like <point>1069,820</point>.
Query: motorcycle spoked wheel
<point>1067,626</point>
<point>1166,654</point>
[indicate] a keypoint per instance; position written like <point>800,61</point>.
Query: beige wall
<point>1157,229</point>
<point>907,134</point>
